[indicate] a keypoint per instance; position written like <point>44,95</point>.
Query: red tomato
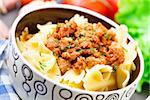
<point>24,2</point>
<point>114,4</point>
<point>90,4</point>
<point>105,7</point>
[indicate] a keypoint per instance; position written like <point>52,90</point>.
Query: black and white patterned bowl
<point>32,85</point>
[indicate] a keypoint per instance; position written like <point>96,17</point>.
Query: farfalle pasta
<point>99,78</point>
<point>80,54</point>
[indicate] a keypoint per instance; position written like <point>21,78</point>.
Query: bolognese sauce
<point>79,47</point>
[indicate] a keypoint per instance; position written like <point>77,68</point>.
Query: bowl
<point>30,84</point>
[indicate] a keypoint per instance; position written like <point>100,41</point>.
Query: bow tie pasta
<point>73,76</point>
<point>37,54</point>
<point>80,54</point>
<point>124,70</point>
<point>99,78</point>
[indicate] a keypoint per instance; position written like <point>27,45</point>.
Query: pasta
<point>123,72</point>
<point>80,54</point>
<point>101,78</point>
<point>123,77</point>
<point>73,76</point>
<point>73,84</point>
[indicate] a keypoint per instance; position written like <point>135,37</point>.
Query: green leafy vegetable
<point>136,15</point>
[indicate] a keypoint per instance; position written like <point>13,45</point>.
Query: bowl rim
<point>84,10</point>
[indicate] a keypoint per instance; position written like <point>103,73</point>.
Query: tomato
<point>90,4</point>
<point>24,2</point>
<point>106,7</point>
<point>114,4</point>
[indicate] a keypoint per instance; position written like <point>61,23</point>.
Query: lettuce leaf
<point>136,15</point>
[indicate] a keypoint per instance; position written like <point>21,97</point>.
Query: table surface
<point>9,18</point>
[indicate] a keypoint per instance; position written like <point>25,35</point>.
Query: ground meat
<point>74,55</point>
<point>79,64</point>
<point>86,52</point>
<point>63,64</point>
<point>115,56</point>
<point>70,56</point>
<point>91,61</point>
<point>78,47</point>
<point>65,30</point>
<point>63,43</point>
<point>86,44</point>
<point>57,51</point>
<point>51,43</point>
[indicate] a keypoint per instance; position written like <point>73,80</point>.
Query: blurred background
<point>133,13</point>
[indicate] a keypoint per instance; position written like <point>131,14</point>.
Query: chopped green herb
<point>68,36</point>
<point>125,49</point>
<point>114,67</point>
<point>81,56</point>
<point>69,46</point>
<point>100,46</point>
<point>79,35</point>
<point>103,54</point>
<point>114,70</point>
<point>54,53</point>
<point>42,65</point>
<point>88,58</point>
<point>79,50</point>
<point>56,40</point>
<point>40,53</point>
<point>107,35</point>
<point>91,50</point>
<point>94,49</point>
<point>94,29</point>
